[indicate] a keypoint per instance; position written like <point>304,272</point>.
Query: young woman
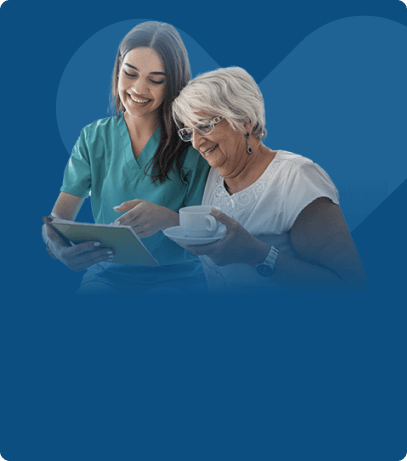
<point>137,169</point>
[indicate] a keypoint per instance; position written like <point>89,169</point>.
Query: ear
<point>248,125</point>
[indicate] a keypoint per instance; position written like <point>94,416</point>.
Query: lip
<point>209,151</point>
<point>139,100</point>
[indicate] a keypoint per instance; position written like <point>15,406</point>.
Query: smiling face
<point>224,148</point>
<point>142,82</point>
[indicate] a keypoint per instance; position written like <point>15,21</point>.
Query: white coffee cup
<point>197,221</point>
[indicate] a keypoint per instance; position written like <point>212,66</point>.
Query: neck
<point>142,126</point>
<point>251,170</point>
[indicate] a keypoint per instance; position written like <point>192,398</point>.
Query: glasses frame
<point>190,130</point>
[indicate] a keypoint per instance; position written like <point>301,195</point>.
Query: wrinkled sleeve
<point>306,182</point>
<point>77,175</point>
<point>196,169</point>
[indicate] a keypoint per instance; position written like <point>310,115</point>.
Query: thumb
<point>221,217</point>
<point>52,236</point>
<point>125,206</point>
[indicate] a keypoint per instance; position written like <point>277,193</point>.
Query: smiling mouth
<point>139,101</point>
<point>207,152</point>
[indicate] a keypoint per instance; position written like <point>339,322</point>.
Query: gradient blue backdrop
<point>301,376</point>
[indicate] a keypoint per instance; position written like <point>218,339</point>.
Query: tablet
<point>127,247</point>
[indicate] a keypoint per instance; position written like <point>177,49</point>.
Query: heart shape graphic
<point>338,98</point>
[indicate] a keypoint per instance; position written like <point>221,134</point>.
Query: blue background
<point>296,376</point>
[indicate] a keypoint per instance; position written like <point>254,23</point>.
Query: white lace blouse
<point>267,209</point>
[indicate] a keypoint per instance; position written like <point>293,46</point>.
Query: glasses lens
<point>204,127</point>
<point>185,134</point>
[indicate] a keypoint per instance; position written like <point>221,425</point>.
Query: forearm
<point>325,255</point>
<point>293,272</point>
<point>290,271</point>
<point>66,207</point>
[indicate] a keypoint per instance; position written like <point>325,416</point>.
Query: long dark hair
<point>166,41</point>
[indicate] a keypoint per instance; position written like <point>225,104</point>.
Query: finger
<point>90,257</point>
<point>81,248</point>
<point>189,248</point>
<point>127,205</point>
<point>201,249</point>
<point>130,218</point>
<point>54,237</point>
<point>84,263</point>
<point>222,217</point>
<point>142,234</point>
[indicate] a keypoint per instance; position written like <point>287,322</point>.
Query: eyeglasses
<point>204,127</point>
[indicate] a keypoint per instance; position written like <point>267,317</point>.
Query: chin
<point>134,112</point>
<point>214,162</point>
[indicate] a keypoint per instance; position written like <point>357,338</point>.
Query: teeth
<point>139,100</point>
<point>210,150</point>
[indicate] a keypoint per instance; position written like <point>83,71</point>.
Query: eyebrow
<point>135,68</point>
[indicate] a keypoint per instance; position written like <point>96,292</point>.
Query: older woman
<point>283,223</point>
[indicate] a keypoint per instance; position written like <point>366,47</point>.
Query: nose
<point>140,87</point>
<point>195,140</point>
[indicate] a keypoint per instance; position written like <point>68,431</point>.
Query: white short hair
<point>230,93</point>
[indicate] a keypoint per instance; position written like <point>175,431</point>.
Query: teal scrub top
<point>103,166</point>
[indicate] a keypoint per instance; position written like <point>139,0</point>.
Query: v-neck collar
<point>146,154</point>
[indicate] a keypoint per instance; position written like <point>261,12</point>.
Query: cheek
<point>228,144</point>
<point>159,98</point>
<point>237,145</point>
<point>120,87</point>
<point>161,94</point>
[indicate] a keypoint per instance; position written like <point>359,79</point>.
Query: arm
<point>66,207</point>
<point>77,257</point>
<point>325,253</point>
<point>146,218</point>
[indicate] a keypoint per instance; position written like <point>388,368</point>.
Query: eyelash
<point>135,75</point>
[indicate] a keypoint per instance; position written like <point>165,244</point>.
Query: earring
<point>249,149</point>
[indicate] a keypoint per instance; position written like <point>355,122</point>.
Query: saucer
<point>180,236</point>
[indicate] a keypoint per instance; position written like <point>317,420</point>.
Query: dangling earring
<point>249,149</point>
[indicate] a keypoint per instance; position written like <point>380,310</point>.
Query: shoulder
<point>94,137</point>
<point>302,170</point>
<point>284,168</point>
<point>303,181</point>
<point>291,162</point>
<point>100,127</point>
<point>102,123</point>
